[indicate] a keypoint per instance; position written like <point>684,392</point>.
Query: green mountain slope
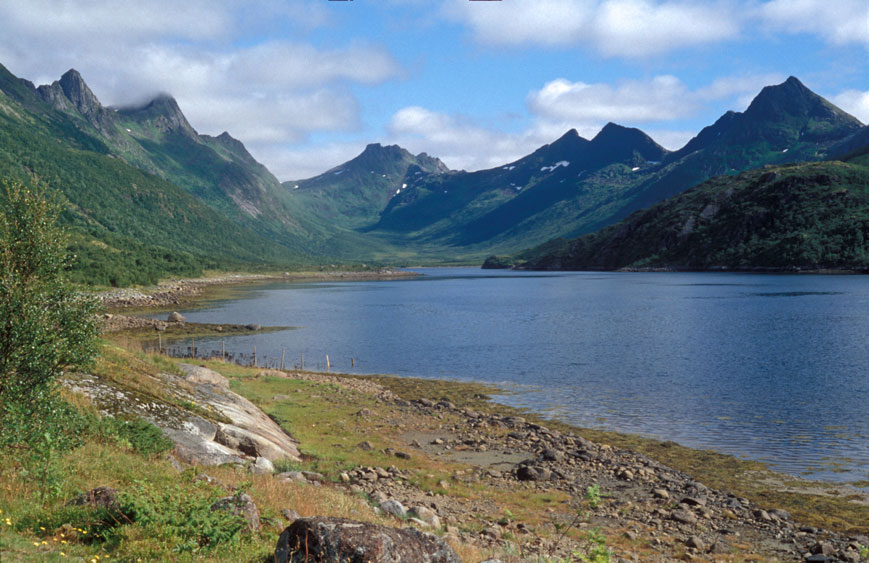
<point>356,192</point>
<point>128,226</point>
<point>788,217</point>
<point>574,186</point>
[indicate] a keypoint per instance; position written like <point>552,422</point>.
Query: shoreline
<point>187,291</point>
<point>720,471</point>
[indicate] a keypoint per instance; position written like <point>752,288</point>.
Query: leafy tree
<point>46,326</point>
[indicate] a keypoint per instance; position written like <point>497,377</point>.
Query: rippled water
<point>768,367</point>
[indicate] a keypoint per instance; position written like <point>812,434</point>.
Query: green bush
<point>182,519</point>
<point>138,434</point>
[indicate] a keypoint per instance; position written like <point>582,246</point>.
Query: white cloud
<point>207,55</point>
<point>854,102</point>
<point>840,22</point>
<point>546,22</point>
<point>658,99</point>
<point>460,142</point>
<point>640,28</point>
<point>626,28</point>
<point>295,163</point>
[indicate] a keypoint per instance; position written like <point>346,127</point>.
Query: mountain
<point>356,192</point>
<point>575,186</point>
<point>127,226</point>
<point>804,216</point>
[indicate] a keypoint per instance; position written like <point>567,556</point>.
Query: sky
<point>307,84</point>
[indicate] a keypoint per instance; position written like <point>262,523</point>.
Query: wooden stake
<point>254,355</point>
<point>328,366</point>
<point>159,342</point>
<point>352,363</point>
<point>282,359</point>
<point>303,361</point>
<point>193,347</point>
<point>223,350</point>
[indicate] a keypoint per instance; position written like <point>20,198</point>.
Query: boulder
<point>200,375</point>
<point>240,505</point>
<point>100,497</point>
<point>426,515</point>
<point>175,317</point>
<point>262,466</point>
<point>394,507</point>
<point>322,539</point>
<point>533,473</point>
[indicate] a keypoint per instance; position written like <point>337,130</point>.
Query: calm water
<point>768,367</point>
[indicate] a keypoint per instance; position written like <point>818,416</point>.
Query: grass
<point>325,419</point>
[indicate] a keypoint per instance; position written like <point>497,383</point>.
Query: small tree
<point>45,325</point>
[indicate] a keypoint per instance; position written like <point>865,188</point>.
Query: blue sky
<point>306,84</point>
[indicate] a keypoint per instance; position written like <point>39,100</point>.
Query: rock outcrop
<point>321,539</point>
<point>209,424</point>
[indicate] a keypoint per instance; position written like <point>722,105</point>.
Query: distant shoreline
<point>185,291</point>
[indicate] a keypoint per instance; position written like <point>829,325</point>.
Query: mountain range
<point>150,197</point>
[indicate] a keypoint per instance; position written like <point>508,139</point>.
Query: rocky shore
<point>183,291</point>
<point>662,513</point>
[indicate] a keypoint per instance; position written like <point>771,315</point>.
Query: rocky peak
<point>164,114</point>
<point>791,100</point>
<point>70,94</point>
<point>78,92</point>
<point>622,142</point>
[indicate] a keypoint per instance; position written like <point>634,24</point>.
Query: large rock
<point>322,540</point>
<point>175,317</point>
<point>237,432</point>
<point>199,375</point>
<point>240,505</point>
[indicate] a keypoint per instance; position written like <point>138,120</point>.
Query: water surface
<point>769,367</point>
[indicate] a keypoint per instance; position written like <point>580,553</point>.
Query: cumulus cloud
<point>203,54</point>
<point>300,162</point>
<point>628,28</point>
<point>660,98</point>
<point>639,28</point>
<point>840,22</point>
<point>855,102</point>
<point>657,99</point>
<point>461,142</point>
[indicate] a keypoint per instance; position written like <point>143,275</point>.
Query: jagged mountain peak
<point>792,99</point>
<point>163,113</point>
<point>622,143</point>
<point>71,89</point>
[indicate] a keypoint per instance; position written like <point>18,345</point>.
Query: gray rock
<point>661,494</point>
<point>100,497</point>
<point>175,317</point>
<point>262,466</point>
<point>533,473</point>
<point>394,507</point>
<point>824,548</point>
<point>290,514</point>
<point>365,446</point>
<point>252,326</point>
<point>240,505</point>
<point>379,497</point>
<point>323,539</point>
<point>296,476</point>
<point>314,476</point>
<point>202,375</point>
<point>696,542</point>
<point>425,514</point>
<point>683,516</point>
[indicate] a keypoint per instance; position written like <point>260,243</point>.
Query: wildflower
<point>62,554</point>
<point>8,522</point>
<point>42,528</point>
<point>36,543</point>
